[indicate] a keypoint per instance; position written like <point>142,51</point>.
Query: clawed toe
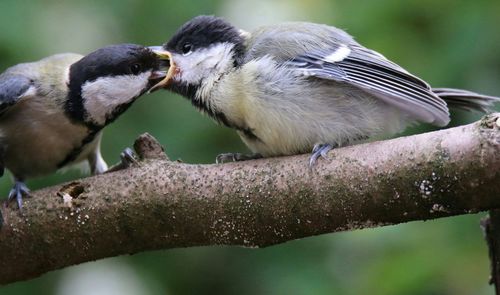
<point>225,158</point>
<point>128,158</point>
<point>235,157</point>
<point>17,192</point>
<point>319,150</point>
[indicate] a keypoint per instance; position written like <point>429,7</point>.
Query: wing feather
<point>370,71</point>
<point>325,52</point>
<point>12,88</point>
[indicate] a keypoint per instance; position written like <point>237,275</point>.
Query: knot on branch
<point>147,147</point>
<point>490,136</point>
<point>491,121</point>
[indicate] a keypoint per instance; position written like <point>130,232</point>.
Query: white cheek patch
<point>66,76</point>
<point>102,96</point>
<point>204,63</point>
<point>245,34</point>
<point>338,55</point>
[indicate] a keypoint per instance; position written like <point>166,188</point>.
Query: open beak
<point>164,56</point>
<point>157,75</point>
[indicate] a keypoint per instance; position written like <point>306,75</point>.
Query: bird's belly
<point>273,139</point>
<point>293,125</point>
<point>36,142</point>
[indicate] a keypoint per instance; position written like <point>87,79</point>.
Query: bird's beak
<point>244,34</point>
<point>157,75</point>
<point>166,56</point>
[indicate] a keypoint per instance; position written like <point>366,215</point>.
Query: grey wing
<point>12,88</point>
<point>373,73</point>
<point>289,40</point>
<point>326,52</point>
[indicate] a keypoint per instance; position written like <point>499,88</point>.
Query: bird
<point>300,87</point>
<point>53,111</point>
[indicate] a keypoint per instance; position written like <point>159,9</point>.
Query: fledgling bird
<point>295,87</point>
<point>52,111</point>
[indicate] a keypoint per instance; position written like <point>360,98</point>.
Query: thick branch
<point>163,204</point>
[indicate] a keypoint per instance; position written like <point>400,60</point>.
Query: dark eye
<point>135,69</point>
<point>187,48</point>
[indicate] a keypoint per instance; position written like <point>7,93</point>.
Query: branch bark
<point>491,230</point>
<point>161,204</point>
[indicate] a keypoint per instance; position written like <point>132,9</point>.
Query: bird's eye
<point>187,48</point>
<point>135,69</point>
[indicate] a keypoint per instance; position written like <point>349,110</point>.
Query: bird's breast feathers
<point>38,137</point>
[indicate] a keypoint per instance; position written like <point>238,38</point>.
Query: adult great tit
<point>296,87</point>
<point>52,111</point>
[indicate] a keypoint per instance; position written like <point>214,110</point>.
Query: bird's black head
<point>202,50</point>
<point>103,84</point>
<point>203,32</point>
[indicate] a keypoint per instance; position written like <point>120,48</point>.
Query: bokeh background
<point>448,43</point>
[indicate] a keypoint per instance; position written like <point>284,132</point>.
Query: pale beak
<point>156,75</point>
<point>166,56</point>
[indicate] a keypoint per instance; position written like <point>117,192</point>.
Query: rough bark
<point>160,204</point>
<point>491,229</point>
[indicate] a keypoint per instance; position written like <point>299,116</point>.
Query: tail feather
<point>467,100</point>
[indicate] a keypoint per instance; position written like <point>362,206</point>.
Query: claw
<point>225,158</point>
<point>316,147</point>
<point>18,190</point>
<point>128,158</point>
<point>325,151</point>
<point>319,150</point>
<point>235,157</point>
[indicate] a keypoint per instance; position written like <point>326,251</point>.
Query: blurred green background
<point>448,43</point>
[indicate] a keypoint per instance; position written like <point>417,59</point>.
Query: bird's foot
<point>319,150</point>
<point>127,159</point>
<point>235,157</point>
<point>16,193</point>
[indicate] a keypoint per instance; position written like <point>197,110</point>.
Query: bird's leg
<point>18,190</point>
<point>320,149</point>
<point>236,157</point>
<point>97,163</point>
<point>127,158</point>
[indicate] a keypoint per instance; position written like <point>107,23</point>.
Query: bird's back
<point>35,123</point>
<point>287,40</point>
<point>45,73</point>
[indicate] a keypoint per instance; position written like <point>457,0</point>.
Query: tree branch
<point>162,204</point>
